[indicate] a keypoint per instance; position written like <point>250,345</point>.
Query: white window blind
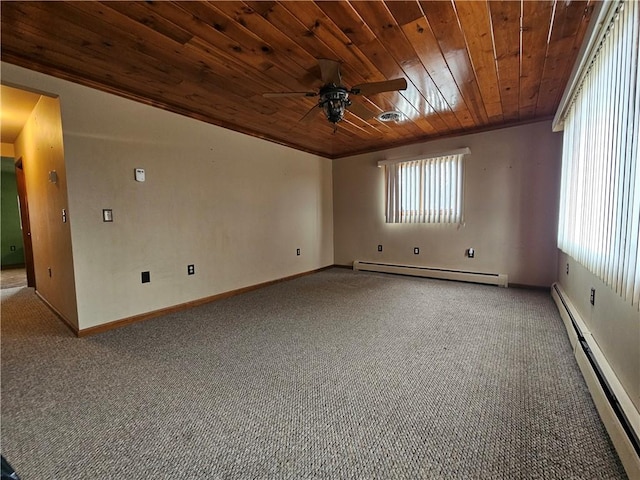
<point>599,221</point>
<point>426,190</point>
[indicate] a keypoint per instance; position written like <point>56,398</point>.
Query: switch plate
<point>146,277</point>
<point>471,253</point>
<point>64,216</point>
<point>107,215</point>
<point>12,248</point>
<point>139,174</point>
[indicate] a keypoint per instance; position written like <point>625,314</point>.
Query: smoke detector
<point>391,116</point>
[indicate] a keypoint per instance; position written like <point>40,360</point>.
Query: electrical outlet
<point>298,251</point>
<point>379,248</point>
<point>416,251</point>
<point>49,270</point>
<point>191,269</point>
<point>592,297</point>
<point>146,277</point>
<point>12,248</point>
<point>567,268</point>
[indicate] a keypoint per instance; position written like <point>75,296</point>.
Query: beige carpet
<point>337,375</point>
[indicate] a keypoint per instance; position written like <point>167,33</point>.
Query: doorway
<point>23,203</point>
<point>16,109</point>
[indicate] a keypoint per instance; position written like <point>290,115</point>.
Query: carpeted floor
<point>336,375</point>
<point>13,277</point>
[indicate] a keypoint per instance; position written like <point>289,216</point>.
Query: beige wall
<point>40,147</point>
<point>511,203</point>
<point>235,206</point>
<point>613,322</point>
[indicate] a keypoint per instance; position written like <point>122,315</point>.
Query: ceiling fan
<point>334,97</point>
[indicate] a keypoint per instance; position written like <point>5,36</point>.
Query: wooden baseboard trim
<point>184,306</point>
<point>57,313</point>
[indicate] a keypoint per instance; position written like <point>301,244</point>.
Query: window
<point>599,222</point>
<point>426,190</point>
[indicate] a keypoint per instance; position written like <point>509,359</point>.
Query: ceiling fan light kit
<point>334,101</point>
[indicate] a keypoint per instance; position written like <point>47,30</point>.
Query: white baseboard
<point>611,399</point>
<point>500,279</point>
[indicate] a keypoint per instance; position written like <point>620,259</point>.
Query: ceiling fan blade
<point>361,111</point>
<point>310,116</point>
<point>288,94</point>
<point>379,87</point>
<point>330,71</point>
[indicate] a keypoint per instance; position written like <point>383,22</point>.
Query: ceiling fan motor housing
<point>334,100</point>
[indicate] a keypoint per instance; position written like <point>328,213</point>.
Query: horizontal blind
<point>599,221</point>
<point>425,191</point>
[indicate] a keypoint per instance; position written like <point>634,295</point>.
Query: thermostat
<point>139,174</point>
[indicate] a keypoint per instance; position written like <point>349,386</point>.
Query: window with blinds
<point>599,221</point>
<point>427,190</point>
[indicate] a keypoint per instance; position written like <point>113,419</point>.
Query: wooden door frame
<point>25,222</point>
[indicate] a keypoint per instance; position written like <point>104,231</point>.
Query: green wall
<point>10,216</point>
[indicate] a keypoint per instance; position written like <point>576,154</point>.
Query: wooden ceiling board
<point>475,23</point>
<point>469,65</point>
<point>536,21</point>
<point>569,23</point>
<point>405,11</point>
<point>505,18</point>
<point>446,28</point>
<point>427,48</point>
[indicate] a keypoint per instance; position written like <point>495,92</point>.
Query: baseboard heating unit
<point>617,411</point>
<point>499,279</point>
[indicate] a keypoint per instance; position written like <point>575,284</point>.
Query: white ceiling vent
<point>392,116</point>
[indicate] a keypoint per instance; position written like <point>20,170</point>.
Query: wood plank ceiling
<point>469,65</point>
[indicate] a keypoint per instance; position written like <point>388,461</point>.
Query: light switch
<point>139,174</point>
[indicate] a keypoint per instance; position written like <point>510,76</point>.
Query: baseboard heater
<point>618,414</point>
<point>499,279</point>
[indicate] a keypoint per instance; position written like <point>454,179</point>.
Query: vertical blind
<point>425,191</point>
<point>599,221</point>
